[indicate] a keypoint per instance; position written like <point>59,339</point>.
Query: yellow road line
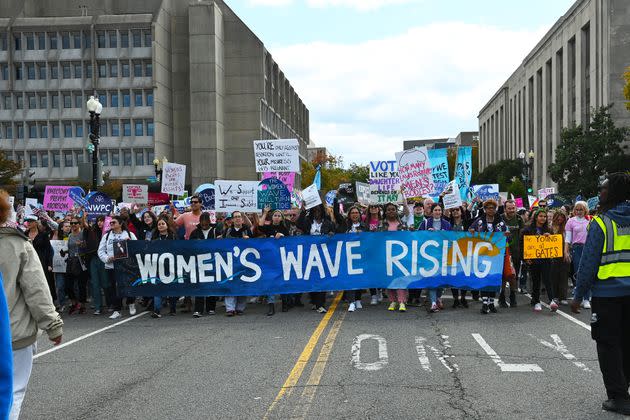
<point>298,369</point>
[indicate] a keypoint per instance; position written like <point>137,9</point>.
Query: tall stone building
<point>577,66</point>
<point>187,80</point>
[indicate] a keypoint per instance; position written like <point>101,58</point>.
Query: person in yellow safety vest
<point>605,270</point>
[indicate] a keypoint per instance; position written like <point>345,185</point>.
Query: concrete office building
<point>464,138</point>
<point>181,79</point>
<point>576,67</point>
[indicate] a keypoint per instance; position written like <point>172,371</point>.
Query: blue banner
<point>254,267</point>
<point>463,170</point>
<point>439,169</point>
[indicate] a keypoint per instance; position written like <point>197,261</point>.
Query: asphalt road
<point>456,364</point>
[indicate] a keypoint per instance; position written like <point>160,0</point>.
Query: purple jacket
<point>428,224</point>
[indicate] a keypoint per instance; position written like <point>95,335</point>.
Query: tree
<point>626,87</point>
<point>586,154</point>
<point>8,170</point>
<point>517,189</point>
<point>501,172</point>
<point>333,172</point>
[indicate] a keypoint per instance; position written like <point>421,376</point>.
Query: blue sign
<point>330,197</point>
<point>486,191</point>
<point>463,170</point>
<point>254,267</point>
<point>439,169</point>
<point>207,197</point>
<point>77,195</point>
<point>98,204</point>
<point>273,193</point>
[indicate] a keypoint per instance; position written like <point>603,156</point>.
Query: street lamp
<point>528,166</point>
<point>158,165</point>
<point>95,108</point>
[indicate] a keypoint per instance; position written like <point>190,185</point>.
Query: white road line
<point>83,337</point>
<point>561,348</point>
<point>383,358</point>
<point>505,367</point>
<point>422,354</point>
<point>565,315</point>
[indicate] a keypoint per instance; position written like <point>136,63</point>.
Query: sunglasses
<point>195,202</point>
<point>74,223</point>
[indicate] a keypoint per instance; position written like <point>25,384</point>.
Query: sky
<point>376,72</point>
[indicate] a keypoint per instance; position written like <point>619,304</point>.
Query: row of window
<point>72,158</point>
<point>114,99</point>
<point>70,129</point>
<point>77,70</point>
<point>123,38</point>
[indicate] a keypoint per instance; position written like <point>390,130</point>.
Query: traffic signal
<point>530,190</point>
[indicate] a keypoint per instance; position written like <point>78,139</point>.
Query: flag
<point>318,177</point>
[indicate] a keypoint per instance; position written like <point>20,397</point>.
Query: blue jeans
<point>157,303</point>
<point>576,257</point>
<point>235,303</point>
<point>98,281</point>
<point>60,285</point>
<point>435,294</point>
<point>271,299</point>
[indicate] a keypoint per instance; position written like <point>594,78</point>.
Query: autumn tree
<point>8,171</point>
<point>626,87</point>
<point>333,173</point>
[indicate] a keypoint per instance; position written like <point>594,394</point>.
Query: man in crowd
<point>515,224</point>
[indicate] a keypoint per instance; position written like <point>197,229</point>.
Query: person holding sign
<point>459,223</point>
<point>352,224</point>
<point>539,268</point>
<point>392,223</point>
<point>164,231</point>
<point>435,223</point>
<point>274,227</point>
<point>235,305</point>
<point>560,266</point>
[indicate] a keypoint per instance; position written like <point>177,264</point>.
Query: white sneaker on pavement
<point>374,300</point>
<point>553,306</point>
<point>357,304</point>
<point>132,309</point>
<point>351,307</point>
<point>564,302</point>
<point>537,307</point>
<point>115,315</point>
<point>586,304</point>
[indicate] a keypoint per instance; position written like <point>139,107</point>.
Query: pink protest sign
<point>287,178</point>
<point>57,199</point>
<point>519,202</point>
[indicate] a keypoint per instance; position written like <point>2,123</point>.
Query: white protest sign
<point>135,193</point>
<point>236,195</point>
<point>416,177</point>
<point>384,182</point>
<point>60,256</point>
<point>544,192</point>
<point>311,197</point>
<point>363,193</point>
<point>173,178</point>
<point>12,217</point>
<point>277,155</point>
<point>452,198</point>
<point>29,204</point>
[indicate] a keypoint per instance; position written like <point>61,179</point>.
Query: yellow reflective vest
<point>615,262</point>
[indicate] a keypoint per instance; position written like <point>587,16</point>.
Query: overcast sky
<point>376,72</point>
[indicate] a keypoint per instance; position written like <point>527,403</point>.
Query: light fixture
<point>99,106</point>
<point>156,161</point>
<point>521,155</point>
<point>531,154</point>
<point>91,104</point>
<point>164,160</point>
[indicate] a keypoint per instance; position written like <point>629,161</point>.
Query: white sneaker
<point>379,296</point>
<point>374,300</point>
<point>586,304</point>
<point>321,310</point>
<point>537,307</point>
<point>357,304</point>
<point>351,307</point>
<point>132,309</point>
<point>564,302</point>
<point>553,305</point>
<point>115,315</point>
<point>253,299</point>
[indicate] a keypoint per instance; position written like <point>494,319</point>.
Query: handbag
<point>508,267</point>
<point>74,266</point>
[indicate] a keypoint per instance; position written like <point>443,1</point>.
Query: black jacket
<point>197,234</point>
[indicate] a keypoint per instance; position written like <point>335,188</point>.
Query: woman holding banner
<point>373,220</point>
<point>352,224</point>
<point>76,270</point>
<point>205,230</point>
<point>560,266</point>
<point>146,225</point>
<point>459,223</point>
<point>392,223</point>
<point>164,231</point>
<point>235,305</point>
<point>435,223</point>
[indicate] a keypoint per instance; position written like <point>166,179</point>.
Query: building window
<point>113,39</point>
<point>78,71</point>
<point>54,99</point>
<point>125,68</point>
<point>30,42</point>
<point>5,71</point>
<point>103,100</point>
<point>32,101</point>
<point>76,39</point>
<point>148,70</point>
<point>100,39</point>
<point>78,100</point>
<point>126,96</point>
<point>67,129</point>
<point>19,101</point>
<point>137,38</point>
<point>43,101</point>
<point>137,69</point>
<point>105,158</point>
<point>149,98</point>
<point>113,69</point>
<point>42,71</point>
<point>3,41</point>
<point>114,99</point>
<point>56,159</point>
<point>7,102</point>
<point>102,70</point>
<point>41,41</point>
<point>67,159</point>
<point>80,159</point>
<point>87,38</point>
<point>138,128</point>
<point>65,40</point>
<point>32,131</point>
<point>137,95</point>
<point>104,125</point>
<point>32,159</point>
<point>139,158</point>
<point>18,72</point>
<point>147,38</point>
<point>115,158</point>
<point>20,130</point>
<point>55,130</point>
<point>65,70</point>
<point>124,39</point>
<point>18,42</point>
<point>115,129</point>
<point>9,131</point>
<point>67,100</point>
<point>78,126</point>
<point>150,128</point>
<point>127,158</point>
<point>126,128</point>
<point>150,156</point>
<point>52,40</point>
<point>44,156</point>
<point>44,130</point>
<point>54,71</point>
<point>88,70</point>
<point>30,71</point>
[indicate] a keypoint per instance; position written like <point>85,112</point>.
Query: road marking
<point>561,348</point>
<point>422,354</point>
<point>439,354</point>
<point>383,358</point>
<point>83,337</point>
<point>298,368</point>
<point>505,367</point>
<point>565,315</point>
<point>308,395</point>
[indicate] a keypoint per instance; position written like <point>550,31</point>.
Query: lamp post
<point>158,165</point>
<point>528,166</point>
<point>95,108</point>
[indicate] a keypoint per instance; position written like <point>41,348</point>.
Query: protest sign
<point>274,194</point>
<point>157,210</point>
<point>57,199</point>
<point>384,182</point>
<point>311,197</point>
<point>12,216</point>
<point>287,178</point>
<point>532,200</point>
<point>592,203</point>
<point>236,195</point>
<point>540,246</point>
<point>503,196</point>
<point>237,267</point>
<point>330,197</point>
<point>486,192</point>
<point>173,178</point>
<point>519,202</point>
<point>78,196</point>
<point>296,198</point>
<point>544,192</point>
<point>60,256</point>
<point>156,199</point>
<point>135,193</point>
<point>29,205</point>
<point>277,155</point>
<point>414,169</point>
<point>207,197</point>
<point>463,170</point>
<point>363,193</point>
<point>439,168</point>
<point>99,204</point>
<point>452,198</point>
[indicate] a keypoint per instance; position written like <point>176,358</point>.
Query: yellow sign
<point>540,246</point>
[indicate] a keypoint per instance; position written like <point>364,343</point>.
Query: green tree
<point>626,87</point>
<point>586,154</point>
<point>517,188</point>
<point>501,172</point>
<point>333,173</point>
<point>8,170</point>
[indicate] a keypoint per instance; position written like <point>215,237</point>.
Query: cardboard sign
<point>135,193</point>
<point>439,168</point>
<point>274,194</point>
<point>157,199</point>
<point>519,202</point>
<point>463,170</point>
<point>173,178</point>
<point>544,192</point>
<point>207,197</point>
<point>99,204</point>
<point>486,192</point>
<point>287,178</point>
<point>57,199</point>
<point>452,198</point>
<point>311,197</point>
<point>416,177</point>
<point>384,182</point>
<point>60,256</point>
<point>363,193</point>
<point>236,196</point>
<point>540,246</point>
<point>29,205</point>
<point>277,155</point>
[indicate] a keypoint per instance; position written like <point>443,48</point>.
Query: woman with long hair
<point>76,270</point>
<point>373,220</point>
<point>146,225</point>
<point>273,225</point>
<point>164,231</point>
<point>391,223</point>
<point>458,224</point>
<point>560,266</point>
<point>574,240</point>
<point>353,224</point>
<point>235,305</point>
<point>435,223</point>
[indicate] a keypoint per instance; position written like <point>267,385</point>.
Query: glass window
<point>148,70</point>
<point>44,156</point>
<point>54,99</point>
<point>113,69</point>
<point>147,38</point>
<point>55,130</point>
<point>125,69</point>
<point>9,131</point>
<point>104,125</point>
<point>30,71</point>
<point>149,128</point>
<point>127,158</point>
<point>67,100</point>
<point>115,126</point>
<point>138,128</point>
<point>32,101</point>
<point>87,39</point>
<point>32,159</point>
<point>41,41</point>
<point>43,101</point>
<point>103,100</point>
<point>30,41</point>
<point>18,72</point>
<point>149,98</point>
<point>114,99</point>
<point>137,69</point>
<point>115,158</point>
<point>7,102</point>
<point>150,156</point>
<point>67,129</point>
<point>32,131</point>
<point>102,70</point>
<point>126,128</point>
<point>3,41</point>
<point>65,70</point>
<point>78,126</point>
<point>18,42</point>
<point>52,39</point>
<point>104,157</point>
<point>42,71</point>
<point>54,71</point>
<point>100,39</point>
<point>139,158</point>
<point>88,71</point>
<point>5,71</point>
<point>20,130</point>
<point>113,39</point>
<point>76,39</point>
<point>44,130</point>
<point>65,40</point>
<point>137,101</point>
<point>126,96</point>
<point>78,100</point>
<point>67,159</point>
<point>137,38</point>
<point>56,159</point>
<point>78,71</point>
<point>19,101</point>
<point>79,157</point>
<point>124,39</point>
